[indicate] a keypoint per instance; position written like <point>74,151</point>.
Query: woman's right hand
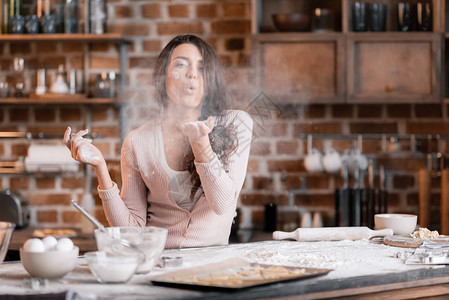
<point>81,148</point>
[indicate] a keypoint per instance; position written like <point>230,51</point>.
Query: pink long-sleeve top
<point>146,197</point>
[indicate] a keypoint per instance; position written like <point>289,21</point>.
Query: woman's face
<point>185,79</point>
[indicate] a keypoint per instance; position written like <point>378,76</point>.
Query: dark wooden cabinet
<point>301,67</point>
<point>349,67</point>
<point>393,67</point>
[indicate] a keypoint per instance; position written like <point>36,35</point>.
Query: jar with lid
<point>105,85</point>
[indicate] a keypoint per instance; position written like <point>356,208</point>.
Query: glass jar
<point>97,16</point>
<point>105,85</point>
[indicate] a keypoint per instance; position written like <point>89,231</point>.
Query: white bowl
<point>149,240</point>
<point>49,264</point>
<point>111,269</point>
<point>402,224</point>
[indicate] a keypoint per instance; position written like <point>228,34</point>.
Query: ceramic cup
<point>332,161</point>
<point>360,159</point>
<point>314,161</point>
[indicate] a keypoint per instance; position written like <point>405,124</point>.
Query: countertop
<point>358,267</point>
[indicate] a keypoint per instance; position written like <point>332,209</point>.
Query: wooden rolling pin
<point>331,233</point>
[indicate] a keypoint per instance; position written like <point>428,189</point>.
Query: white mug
<point>332,161</point>
<point>313,162</point>
<point>361,159</point>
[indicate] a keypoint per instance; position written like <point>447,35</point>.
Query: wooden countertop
<point>359,269</point>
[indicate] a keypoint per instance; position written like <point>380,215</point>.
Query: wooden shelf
<point>61,100</point>
<point>63,37</point>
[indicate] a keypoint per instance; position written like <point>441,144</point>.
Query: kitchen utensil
<point>355,200</point>
<point>111,268</point>
<point>410,242</point>
<point>382,194</point>
<point>370,197</point>
<point>424,198</point>
<point>331,233</point>
<point>402,224</point>
<point>444,202</point>
<point>49,264</point>
<point>148,240</point>
<point>100,226</point>
<point>342,204</point>
<point>14,208</point>
<point>291,21</point>
<point>6,231</point>
<point>238,272</point>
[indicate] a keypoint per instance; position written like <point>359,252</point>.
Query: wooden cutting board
<point>409,242</point>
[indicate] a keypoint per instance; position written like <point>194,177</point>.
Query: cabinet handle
<point>389,88</point>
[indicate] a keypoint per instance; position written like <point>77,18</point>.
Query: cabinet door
<point>394,67</point>
<point>301,68</point>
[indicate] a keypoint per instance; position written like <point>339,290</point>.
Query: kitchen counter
<point>358,268</point>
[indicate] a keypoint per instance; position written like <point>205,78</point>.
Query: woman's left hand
<point>197,130</point>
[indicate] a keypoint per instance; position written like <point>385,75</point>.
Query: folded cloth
<point>49,158</point>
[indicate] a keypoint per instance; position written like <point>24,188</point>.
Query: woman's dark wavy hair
<point>216,101</point>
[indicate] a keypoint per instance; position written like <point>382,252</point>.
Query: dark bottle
<point>71,16</point>
<point>270,217</point>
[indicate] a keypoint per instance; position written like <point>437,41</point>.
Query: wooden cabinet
<point>345,66</point>
<point>393,67</point>
<point>304,67</point>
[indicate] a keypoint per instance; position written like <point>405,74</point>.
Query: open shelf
<point>63,37</point>
<point>53,100</point>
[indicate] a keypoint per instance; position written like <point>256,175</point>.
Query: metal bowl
<point>290,22</point>
<point>6,231</point>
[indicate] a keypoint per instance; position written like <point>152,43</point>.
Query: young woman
<point>183,171</point>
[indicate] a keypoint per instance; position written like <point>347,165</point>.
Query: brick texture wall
<point>276,172</point>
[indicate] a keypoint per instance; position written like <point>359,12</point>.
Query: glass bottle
<point>14,11</point>
<point>97,16</point>
<point>71,16</point>
<point>19,78</point>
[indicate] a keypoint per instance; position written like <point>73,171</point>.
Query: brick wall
<point>276,163</point>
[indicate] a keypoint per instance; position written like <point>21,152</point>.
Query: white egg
<point>34,245</point>
<point>49,242</point>
<point>64,244</point>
